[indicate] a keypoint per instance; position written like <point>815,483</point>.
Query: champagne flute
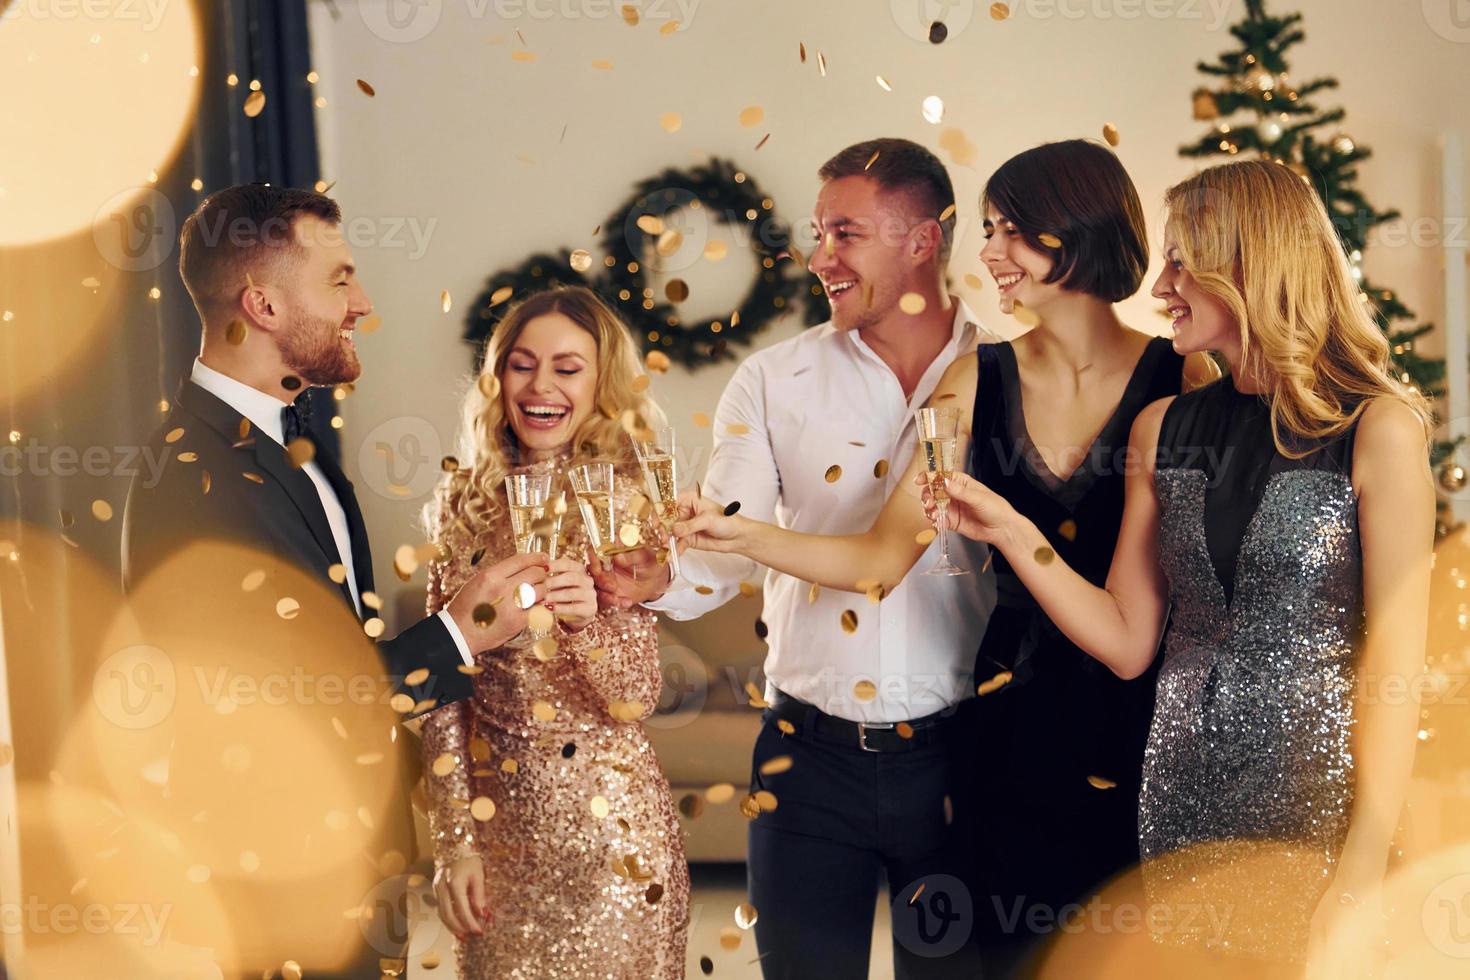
<point>527,495</point>
<point>593,485</point>
<point>938,441</point>
<point>656,457</point>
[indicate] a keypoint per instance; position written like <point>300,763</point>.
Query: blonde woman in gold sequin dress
<point>1286,515</point>
<point>556,842</point>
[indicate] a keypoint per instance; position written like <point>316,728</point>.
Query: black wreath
<point>733,197</point>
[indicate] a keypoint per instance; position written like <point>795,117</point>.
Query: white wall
<point>487,158</point>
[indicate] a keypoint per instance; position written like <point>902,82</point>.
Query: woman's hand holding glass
<point>974,510</point>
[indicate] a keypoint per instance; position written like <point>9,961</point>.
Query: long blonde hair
<point>1257,238</point>
<point>469,497</point>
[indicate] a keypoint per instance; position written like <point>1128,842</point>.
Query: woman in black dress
<point>1054,748</point>
<point>1286,514</point>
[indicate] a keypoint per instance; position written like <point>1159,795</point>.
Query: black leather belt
<point>888,736</point>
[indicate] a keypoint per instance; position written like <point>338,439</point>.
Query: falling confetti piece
<point>751,116</point>
<point>300,451</point>
<point>444,301</point>
<point>416,677</point>
<point>254,103</point>
<point>540,618</point>
<point>543,711</point>
<point>581,260</point>
<point>947,213</point>
<point>849,621</point>
<point>925,536</point>
<point>1049,240</point>
<point>880,469</point>
<point>912,303</point>
<point>905,730</point>
<point>401,703</point>
<point>102,510</point>
<point>1110,133</point>
<point>822,64</point>
<point>602,65</point>
<point>763,141</point>
<point>812,593</point>
<point>701,420</point>
<point>746,915</point>
<point>775,765</point>
<point>716,250</point>
<point>367,89</point>
<point>657,361</point>
<point>974,281</point>
<point>883,84</point>
<point>630,14</point>
<point>677,290</point>
<point>933,109</point>
<point>871,160</point>
<point>1068,529</point>
<point>484,615</point>
<point>525,57</point>
<point>999,11</point>
<point>938,32</point>
<point>444,764</point>
<point>730,938</point>
<point>501,295</point>
<point>236,333</point>
<point>1044,555</point>
<point>834,473</point>
<point>995,683</point>
<point>671,27</point>
<point>737,429</point>
<point>287,608</point>
<point>671,122</point>
<point>174,435</point>
<point>865,691</point>
<point>374,627</point>
<point>1098,782</point>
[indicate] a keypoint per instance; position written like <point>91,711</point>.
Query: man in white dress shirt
<point>872,794</point>
<point>247,482</point>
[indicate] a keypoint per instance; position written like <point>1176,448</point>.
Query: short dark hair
<point>904,166</point>
<point>242,230</point>
<point>1078,192</point>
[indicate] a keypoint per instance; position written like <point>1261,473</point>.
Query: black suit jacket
<point>225,562</point>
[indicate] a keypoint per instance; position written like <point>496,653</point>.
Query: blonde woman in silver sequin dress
<point>1279,512</point>
<point>556,842</point>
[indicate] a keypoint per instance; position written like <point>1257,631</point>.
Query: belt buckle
<point>863,733</point>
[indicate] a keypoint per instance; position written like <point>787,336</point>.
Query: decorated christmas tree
<point>1254,106</point>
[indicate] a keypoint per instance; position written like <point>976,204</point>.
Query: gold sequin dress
<point>585,867</point>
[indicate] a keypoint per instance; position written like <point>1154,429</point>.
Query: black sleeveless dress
<point>1248,775</point>
<point>1050,763</point>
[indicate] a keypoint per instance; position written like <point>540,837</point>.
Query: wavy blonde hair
<point>469,499</point>
<point>1256,237</point>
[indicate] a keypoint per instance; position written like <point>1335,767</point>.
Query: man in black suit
<point>247,563</point>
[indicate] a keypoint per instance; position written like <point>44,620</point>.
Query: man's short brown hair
<point>906,167</point>
<point>245,230</point>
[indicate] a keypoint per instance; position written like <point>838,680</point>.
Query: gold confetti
<point>416,677</point>
<point>947,213</point>
<point>510,766</point>
<point>925,536</point>
<point>600,807</point>
<point>669,242</point>
<point>102,510</point>
<point>834,473</point>
<point>995,683</point>
<point>775,765</point>
<point>701,420</point>
<point>525,57</point>
<point>254,103</point>
<point>720,793</point>
<point>871,160</point>
<point>174,435</point>
<point>629,535</point>
<point>763,141</point>
<point>677,290</point>
<point>1110,133</point>
<point>730,938</point>
<point>883,84</point>
<point>1068,529</point>
<point>933,110</point>
<point>812,593</point>
<point>540,619</point>
<point>484,615</point>
<point>501,295</point>
<point>401,703</point>
<point>287,607</point>
<point>367,89</point>
<point>1049,240</point>
<point>785,726</point>
<point>630,14</point>
<point>337,572</point>
<point>657,361</point>
<point>746,915</point>
<point>669,28</point>
<point>444,301</point>
<point>542,711</point>
<point>752,115</point>
<point>801,50</point>
<point>204,481</point>
<point>875,593</point>
<point>581,260</point>
<point>880,469</point>
<point>747,590</point>
<point>525,595</point>
<point>704,590</point>
<point>444,764</point>
<point>188,457</point>
<point>300,451</point>
<point>1100,782</point>
<point>602,64</point>
<point>905,730</point>
<point>1025,314</point>
<point>236,333</point>
<point>737,428</point>
<point>1044,555</point>
<point>544,648</point>
<point>912,303</point>
<point>671,122</point>
<point>974,281</point>
<point>430,960</point>
<point>999,11</point>
<point>865,691</point>
<point>822,64</point>
<point>374,627</point>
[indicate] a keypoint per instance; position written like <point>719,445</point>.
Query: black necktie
<point>296,419</point>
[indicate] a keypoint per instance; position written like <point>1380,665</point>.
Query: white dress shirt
<point>264,413</point>
<point>819,399</point>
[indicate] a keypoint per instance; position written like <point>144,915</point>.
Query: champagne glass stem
<point>942,506</point>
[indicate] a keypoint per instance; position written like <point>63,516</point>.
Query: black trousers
<point>846,819</point>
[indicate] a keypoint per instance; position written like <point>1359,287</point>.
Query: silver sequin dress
<point>583,853</point>
<point>1248,772</point>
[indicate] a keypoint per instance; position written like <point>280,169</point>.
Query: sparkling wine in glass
<point>593,486</point>
<point>939,430</point>
<point>530,520</point>
<point>656,457</point>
